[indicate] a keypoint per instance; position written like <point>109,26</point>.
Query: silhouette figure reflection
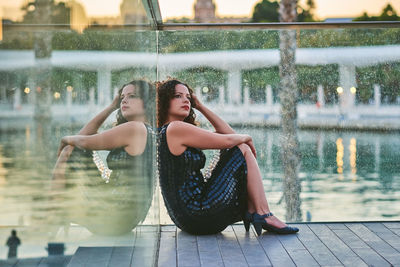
<point>111,197</point>
<point>12,243</point>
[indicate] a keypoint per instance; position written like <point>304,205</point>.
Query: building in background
<point>204,11</point>
<point>78,18</point>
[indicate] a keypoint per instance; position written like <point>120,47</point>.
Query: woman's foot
<point>272,224</point>
<point>247,219</point>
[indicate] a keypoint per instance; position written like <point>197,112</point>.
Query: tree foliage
<point>60,13</point>
<point>388,14</point>
<point>268,11</point>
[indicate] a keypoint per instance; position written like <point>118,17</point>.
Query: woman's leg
<point>257,202</point>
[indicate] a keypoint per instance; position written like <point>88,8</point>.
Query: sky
<point>324,8</point>
<point>242,8</point>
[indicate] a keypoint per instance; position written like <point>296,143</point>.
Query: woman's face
<point>179,106</point>
<point>131,103</point>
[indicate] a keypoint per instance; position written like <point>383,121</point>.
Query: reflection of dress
<point>197,206</point>
<point>118,206</point>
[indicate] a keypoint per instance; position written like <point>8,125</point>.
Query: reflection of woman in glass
<point>118,195</point>
<point>234,191</point>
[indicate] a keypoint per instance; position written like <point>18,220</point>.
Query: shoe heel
<point>246,225</point>
<point>257,227</point>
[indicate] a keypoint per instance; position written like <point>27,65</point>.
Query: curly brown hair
<point>146,93</point>
<point>165,92</point>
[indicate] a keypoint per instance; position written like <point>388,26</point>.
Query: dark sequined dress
<point>195,205</point>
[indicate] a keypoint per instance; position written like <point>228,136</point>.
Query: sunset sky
<point>178,8</point>
<point>324,8</point>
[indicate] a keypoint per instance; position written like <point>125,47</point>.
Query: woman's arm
<point>130,135</point>
<point>94,124</point>
<point>219,124</point>
<point>181,135</point>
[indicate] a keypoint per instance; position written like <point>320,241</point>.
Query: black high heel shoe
<point>259,223</point>
<point>247,219</point>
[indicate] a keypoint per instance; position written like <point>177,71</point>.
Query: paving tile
<point>365,252</point>
<point>251,247</point>
<point>341,251</point>
<point>187,252</point>
<point>375,242</point>
<point>317,249</point>
<point>167,251</point>
<point>231,252</point>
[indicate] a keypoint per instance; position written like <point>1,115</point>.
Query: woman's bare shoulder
<point>180,127</point>
<point>134,126</point>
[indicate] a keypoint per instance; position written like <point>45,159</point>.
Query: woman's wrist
<point>200,107</point>
<point>111,108</point>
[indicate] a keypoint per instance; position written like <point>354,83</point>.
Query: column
<point>115,92</point>
<point>321,96</point>
<point>31,85</point>
<point>103,87</point>
<point>221,95</point>
<point>234,86</point>
<point>347,80</point>
<point>69,98</point>
<point>246,94</point>
<point>377,95</point>
<point>198,93</point>
<point>92,101</point>
<point>17,99</point>
<point>269,98</point>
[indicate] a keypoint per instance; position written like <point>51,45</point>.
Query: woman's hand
<point>249,141</point>
<point>63,143</point>
<point>252,147</point>
<point>196,102</point>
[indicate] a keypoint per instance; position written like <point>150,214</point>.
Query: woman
<point>118,195</point>
<point>234,192</point>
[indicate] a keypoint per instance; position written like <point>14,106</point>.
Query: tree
<point>388,14</point>
<point>58,13</point>
<point>288,99</point>
<point>266,11</point>
<point>306,14</point>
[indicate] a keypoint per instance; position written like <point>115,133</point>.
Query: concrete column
<point>269,98</point>
<point>3,95</point>
<point>17,99</point>
<point>103,87</point>
<point>234,87</point>
<point>92,101</point>
<point>321,95</point>
<point>221,95</point>
<point>198,93</point>
<point>347,80</point>
<point>246,96</point>
<point>31,85</point>
<point>115,92</point>
<point>69,99</point>
<point>377,95</point>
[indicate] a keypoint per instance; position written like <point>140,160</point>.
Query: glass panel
<point>348,111</point>
<point>54,80</point>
